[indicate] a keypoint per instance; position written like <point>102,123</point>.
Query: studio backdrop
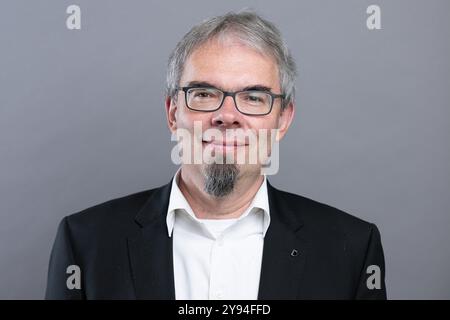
<point>82,120</point>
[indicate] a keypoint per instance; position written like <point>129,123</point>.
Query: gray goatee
<point>220,179</point>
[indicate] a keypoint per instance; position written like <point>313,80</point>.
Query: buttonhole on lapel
<point>294,253</point>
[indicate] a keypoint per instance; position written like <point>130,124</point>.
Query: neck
<point>205,206</point>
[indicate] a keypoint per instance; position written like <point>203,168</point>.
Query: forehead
<point>231,65</point>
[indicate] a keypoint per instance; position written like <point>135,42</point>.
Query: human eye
<point>254,97</point>
<point>203,93</point>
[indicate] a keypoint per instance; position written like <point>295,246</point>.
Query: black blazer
<point>124,252</point>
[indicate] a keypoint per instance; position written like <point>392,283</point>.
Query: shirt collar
<point>178,201</point>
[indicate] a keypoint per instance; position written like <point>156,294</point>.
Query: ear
<point>171,108</point>
<point>285,120</point>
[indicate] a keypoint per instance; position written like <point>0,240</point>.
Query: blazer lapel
<point>284,252</point>
<point>150,250</point>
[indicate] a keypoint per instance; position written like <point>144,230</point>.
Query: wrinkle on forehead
<point>242,66</point>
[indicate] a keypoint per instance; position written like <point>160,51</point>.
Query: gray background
<point>82,121</point>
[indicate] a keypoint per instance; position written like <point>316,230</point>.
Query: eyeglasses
<point>248,102</point>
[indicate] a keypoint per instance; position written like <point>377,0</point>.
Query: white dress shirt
<point>217,258</point>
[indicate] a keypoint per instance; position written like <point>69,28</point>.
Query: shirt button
<point>219,295</point>
<point>220,242</point>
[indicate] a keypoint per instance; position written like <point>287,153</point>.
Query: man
<point>220,230</point>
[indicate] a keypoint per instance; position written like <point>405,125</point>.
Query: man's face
<point>229,66</point>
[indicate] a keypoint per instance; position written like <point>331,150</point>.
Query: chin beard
<point>220,179</point>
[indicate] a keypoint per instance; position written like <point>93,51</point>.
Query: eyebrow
<point>205,84</point>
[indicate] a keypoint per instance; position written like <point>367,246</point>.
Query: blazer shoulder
<point>322,215</point>
<point>114,213</point>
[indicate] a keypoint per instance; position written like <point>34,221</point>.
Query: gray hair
<point>248,28</point>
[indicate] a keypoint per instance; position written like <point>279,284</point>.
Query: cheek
<point>186,119</point>
<point>194,123</point>
<point>268,122</point>
<point>264,130</point>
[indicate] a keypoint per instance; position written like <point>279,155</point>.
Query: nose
<point>227,116</point>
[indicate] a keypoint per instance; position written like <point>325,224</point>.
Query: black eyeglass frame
<point>233,95</point>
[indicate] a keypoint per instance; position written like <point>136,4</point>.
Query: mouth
<point>224,145</point>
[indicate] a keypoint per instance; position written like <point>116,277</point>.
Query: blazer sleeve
<point>371,284</point>
<point>62,257</point>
